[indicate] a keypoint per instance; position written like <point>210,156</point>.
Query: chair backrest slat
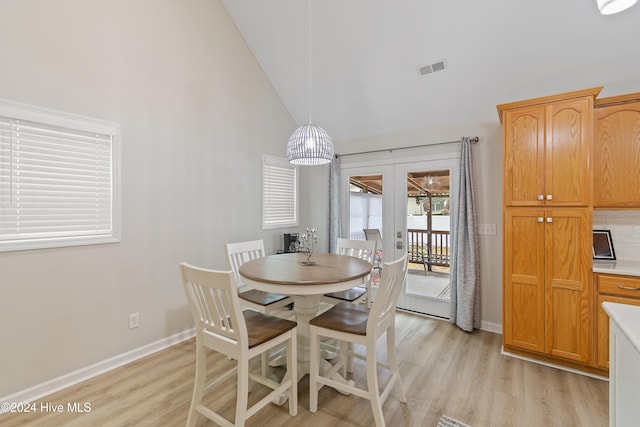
<point>384,305</point>
<point>213,298</point>
<point>241,252</point>
<point>363,249</point>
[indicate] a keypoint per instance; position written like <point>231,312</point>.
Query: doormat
<point>450,422</point>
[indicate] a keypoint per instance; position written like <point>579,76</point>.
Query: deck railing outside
<point>426,251</point>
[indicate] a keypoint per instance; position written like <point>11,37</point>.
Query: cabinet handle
<point>549,197</point>
<point>549,219</point>
<point>628,288</point>
<point>540,197</point>
<point>540,219</point>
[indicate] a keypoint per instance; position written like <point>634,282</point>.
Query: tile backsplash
<point>625,231</point>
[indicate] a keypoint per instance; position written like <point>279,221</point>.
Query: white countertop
<point>627,317</point>
<point>628,268</point>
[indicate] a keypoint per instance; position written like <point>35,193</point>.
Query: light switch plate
<point>489,229</point>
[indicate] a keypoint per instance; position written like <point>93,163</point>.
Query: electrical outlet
<point>134,320</point>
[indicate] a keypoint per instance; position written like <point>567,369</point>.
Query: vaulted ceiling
<point>351,66</point>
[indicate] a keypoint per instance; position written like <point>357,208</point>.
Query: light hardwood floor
<point>445,372</point>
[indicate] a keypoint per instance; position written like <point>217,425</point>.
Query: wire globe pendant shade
<point>609,7</point>
<point>310,145</point>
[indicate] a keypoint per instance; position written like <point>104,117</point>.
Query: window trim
<point>15,110</point>
<point>280,162</point>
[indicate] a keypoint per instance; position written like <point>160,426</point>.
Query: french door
<point>412,205</point>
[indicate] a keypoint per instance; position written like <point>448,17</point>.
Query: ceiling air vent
<point>432,68</point>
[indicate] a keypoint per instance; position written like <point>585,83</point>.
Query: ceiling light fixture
<point>609,7</point>
<point>310,144</point>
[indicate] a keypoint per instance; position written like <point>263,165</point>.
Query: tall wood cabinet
<point>547,221</point>
<point>547,287</point>
<point>616,152</point>
<point>546,154</point>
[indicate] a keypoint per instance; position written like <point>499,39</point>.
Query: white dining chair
<point>363,249</point>
<point>264,302</point>
<point>359,324</point>
<point>222,326</point>
<point>374,234</point>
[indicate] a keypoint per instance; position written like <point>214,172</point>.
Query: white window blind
<point>57,185</point>
<point>279,193</point>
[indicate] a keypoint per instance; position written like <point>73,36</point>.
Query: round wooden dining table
<point>286,274</point>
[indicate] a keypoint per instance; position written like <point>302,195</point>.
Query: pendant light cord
<point>310,144</point>
<point>309,53</point>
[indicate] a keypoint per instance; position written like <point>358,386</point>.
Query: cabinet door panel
<point>616,156</point>
<point>524,280</point>
<point>523,156</point>
<point>568,284</point>
<point>568,139</point>
<point>603,327</point>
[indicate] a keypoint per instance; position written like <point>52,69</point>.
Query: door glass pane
<point>428,234</point>
<point>365,212</point>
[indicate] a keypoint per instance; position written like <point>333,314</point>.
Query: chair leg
<point>349,362</point>
<point>242,398</point>
<point>393,363</point>
<point>372,385</point>
<point>292,371</point>
<point>343,356</point>
<point>198,387</point>
<point>265,362</point>
<point>314,369</point>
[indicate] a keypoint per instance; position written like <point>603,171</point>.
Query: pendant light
<point>310,144</point>
<point>609,7</point>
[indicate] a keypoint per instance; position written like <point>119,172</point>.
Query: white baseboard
<point>552,365</point>
<point>38,391</point>
<point>496,328</point>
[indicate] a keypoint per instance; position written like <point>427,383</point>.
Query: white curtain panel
<point>365,211</point>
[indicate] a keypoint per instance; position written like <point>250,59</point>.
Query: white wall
<point>197,113</point>
<point>487,162</point>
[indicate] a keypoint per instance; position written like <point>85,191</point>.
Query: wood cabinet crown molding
<point>616,100</point>
<point>592,92</point>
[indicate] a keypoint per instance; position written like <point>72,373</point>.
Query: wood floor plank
<point>445,371</point>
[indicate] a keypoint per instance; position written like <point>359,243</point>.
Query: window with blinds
<point>58,182</point>
<point>279,193</point>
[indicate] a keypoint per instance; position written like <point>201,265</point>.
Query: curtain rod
<point>473,140</point>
